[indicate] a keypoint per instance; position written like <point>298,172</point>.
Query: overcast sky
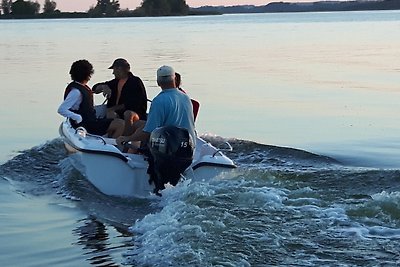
<point>83,5</point>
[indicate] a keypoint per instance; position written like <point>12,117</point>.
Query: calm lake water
<point>327,83</point>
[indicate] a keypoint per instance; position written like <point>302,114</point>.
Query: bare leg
<point>136,134</point>
<point>111,114</point>
<point>137,126</point>
<point>130,118</point>
<point>116,128</point>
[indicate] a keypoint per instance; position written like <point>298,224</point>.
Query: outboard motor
<point>171,150</point>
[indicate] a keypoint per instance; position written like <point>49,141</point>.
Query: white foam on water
<point>158,237</point>
<point>387,207</point>
<point>371,232</point>
<point>186,229</point>
<point>314,208</point>
<point>260,197</point>
<point>233,222</point>
<point>185,187</point>
<point>385,197</point>
<point>383,232</point>
<point>358,232</point>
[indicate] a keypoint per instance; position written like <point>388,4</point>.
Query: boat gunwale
<point>125,159</point>
<point>91,151</point>
<point>213,164</point>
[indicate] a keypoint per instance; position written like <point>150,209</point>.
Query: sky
<point>84,5</point>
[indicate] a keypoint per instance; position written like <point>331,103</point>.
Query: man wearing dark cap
<point>127,98</point>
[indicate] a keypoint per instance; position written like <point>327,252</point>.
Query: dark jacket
<point>133,96</point>
<point>86,108</point>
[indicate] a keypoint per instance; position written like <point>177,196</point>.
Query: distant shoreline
<point>318,6</point>
<point>274,7</point>
<point>80,15</point>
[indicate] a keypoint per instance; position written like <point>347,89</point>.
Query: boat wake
<point>282,206</point>
<point>36,168</point>
<point>248,154</point>
<point>46,168</point>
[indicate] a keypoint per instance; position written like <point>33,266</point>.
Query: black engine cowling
<point>171,150</point>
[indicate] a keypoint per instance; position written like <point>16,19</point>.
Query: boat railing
<point>228,147</point>
<point>83,132</point>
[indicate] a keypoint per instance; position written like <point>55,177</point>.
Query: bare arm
<point>73,98</point>
<point>139,135</point>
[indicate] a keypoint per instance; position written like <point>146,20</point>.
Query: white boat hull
<point>125,175</point>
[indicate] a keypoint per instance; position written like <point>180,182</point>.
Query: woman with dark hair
<point>78,104</point>
<point>81,70</point>
<point>195,103</point>
<point>178,81</point>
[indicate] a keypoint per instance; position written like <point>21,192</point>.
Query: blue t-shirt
<point>171,107</point>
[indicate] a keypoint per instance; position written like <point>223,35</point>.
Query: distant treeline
<point>319,6</point>
<point>27,9</point>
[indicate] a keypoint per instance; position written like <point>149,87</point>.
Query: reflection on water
<point>283,202</point>
<point>52,216</point>
<point>49,231</point>
<point>327,82</point>
<point>95,238</point>
<point>313,81</point>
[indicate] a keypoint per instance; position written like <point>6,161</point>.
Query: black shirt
<point>133,96</point>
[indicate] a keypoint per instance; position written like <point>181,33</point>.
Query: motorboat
<point>125,174</point>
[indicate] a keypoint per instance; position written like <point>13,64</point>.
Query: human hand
<point>98,88</point>
<point>106,91</point>
<point>78,119</point>
<point>122,140</point>
<point>102,88</point>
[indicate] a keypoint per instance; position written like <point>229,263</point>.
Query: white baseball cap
<point>165,71</point>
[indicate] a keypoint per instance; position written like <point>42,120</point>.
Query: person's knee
<point>117,124</point>
<point>131,115</point>
<point>111,114</point>
<point>139,124</point>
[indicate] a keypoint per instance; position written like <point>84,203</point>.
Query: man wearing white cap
<point>170,107</point>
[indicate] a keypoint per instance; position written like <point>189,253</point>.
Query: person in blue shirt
<point>170,107</point>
